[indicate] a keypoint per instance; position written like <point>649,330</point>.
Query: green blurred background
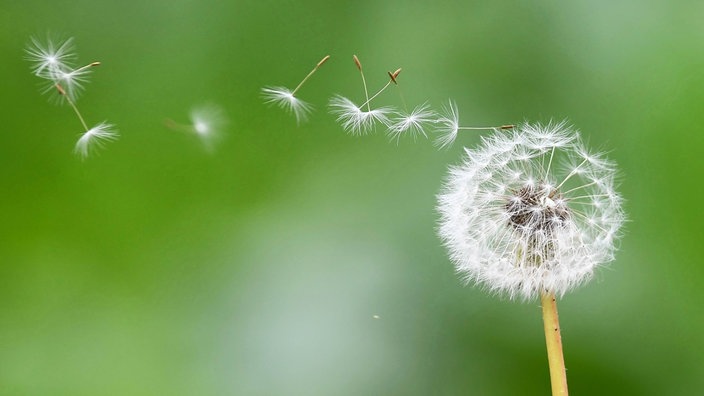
<point>298,260</point>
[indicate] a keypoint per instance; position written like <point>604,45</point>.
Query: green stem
<point>553,340</point>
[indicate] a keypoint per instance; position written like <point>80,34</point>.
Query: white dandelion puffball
<point>530,211</point>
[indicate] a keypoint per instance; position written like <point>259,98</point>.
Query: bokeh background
<point>299,260</point>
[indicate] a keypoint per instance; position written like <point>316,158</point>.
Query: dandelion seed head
<point>284,98</point>
<point>530,211</point>
<point>94,139</point>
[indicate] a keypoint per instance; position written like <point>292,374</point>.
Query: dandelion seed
<point>392,79</point>
<point>208,120</point>
<point>286,99</point>
<point>531,211</point>
<point>94,139</point>
<point>207,123</point>
<point>450,126</point>
<point>355,120</point>
<point>413,123</point>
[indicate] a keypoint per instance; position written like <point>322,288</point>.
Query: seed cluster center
<point>537,208</point>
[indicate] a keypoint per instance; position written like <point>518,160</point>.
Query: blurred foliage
<point>298,260</point>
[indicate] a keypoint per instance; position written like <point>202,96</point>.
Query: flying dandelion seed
<point>354,119</point>
<point>449,126</point>
<point>207,122</point>
<point>287,99</point>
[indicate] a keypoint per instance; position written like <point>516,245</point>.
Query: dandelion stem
<point>317,66</point>
<point>556,360</point>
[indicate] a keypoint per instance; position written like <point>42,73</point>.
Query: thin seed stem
<point>73,106</point>
<point>364,80</point>
<point>375,95</point>
<point>547,170</point>
<point>366,93</point>
<point>78,113</point>
<point>92,64</point>
<point>317,66</point>
<point>403,99</point>
<point>62,91</point>
<point>588,220</point>
<point>553,340</point>
<point>475,128</point>
<point>176,126</point>
<point>393,77</point>
<point>577,188</point>
<point>572,199</point>
<point>574,172</point>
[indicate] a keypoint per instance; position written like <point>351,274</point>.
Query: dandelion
<point>286,99</point>
<point>450,126</point>
<point>95,138</point>
<point>413,123</point>
<point>353,118</point>
<point>206,122</point>
<point>532,213</point>
<point>51,61</point>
